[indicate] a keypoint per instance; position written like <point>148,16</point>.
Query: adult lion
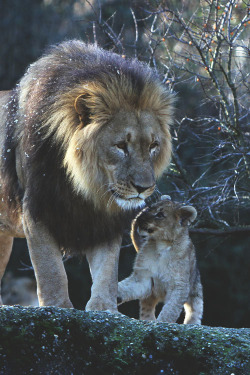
<point>83,137</point>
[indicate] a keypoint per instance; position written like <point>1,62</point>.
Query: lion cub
<point>165,268</point>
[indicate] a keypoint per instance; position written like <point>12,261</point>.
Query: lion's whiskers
<point>107,190</point>
<point>112,198</point>
<point>109,184</point>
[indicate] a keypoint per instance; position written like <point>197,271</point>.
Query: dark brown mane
<point>42,120</point>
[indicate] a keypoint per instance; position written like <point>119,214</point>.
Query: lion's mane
<point>45,129</point>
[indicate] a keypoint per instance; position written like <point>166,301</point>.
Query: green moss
<point>64,341</point>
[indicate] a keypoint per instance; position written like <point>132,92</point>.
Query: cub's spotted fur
<point>165,268</point>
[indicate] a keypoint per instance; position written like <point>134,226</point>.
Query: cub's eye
<point>150,230</point>
<point>122,146</point>
<point>160,215</point>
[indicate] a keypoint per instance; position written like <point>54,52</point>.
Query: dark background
<point>27,27</point>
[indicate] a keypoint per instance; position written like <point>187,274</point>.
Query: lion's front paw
<point>101,304</point>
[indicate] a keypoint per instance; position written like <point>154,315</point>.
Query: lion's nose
<point>139,188</point>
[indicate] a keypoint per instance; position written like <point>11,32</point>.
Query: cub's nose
<point>139,188</point>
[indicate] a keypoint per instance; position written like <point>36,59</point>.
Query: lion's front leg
<point>46,258</point>
<point>6,243</point>
<point>103,264</point>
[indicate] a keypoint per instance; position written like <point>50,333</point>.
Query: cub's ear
<point>187,215</point>
<point>82,109</point>
<point>165,198</point>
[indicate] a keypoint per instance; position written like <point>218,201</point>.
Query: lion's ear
<point>186,214</point>
<point>82,109</point>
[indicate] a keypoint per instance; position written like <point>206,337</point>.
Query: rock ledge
<point>51,340</point>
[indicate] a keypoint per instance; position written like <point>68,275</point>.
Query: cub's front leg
<point>173,306</point>
<point>46,258</point>
<point>147,307</point>
<point>136,286</point>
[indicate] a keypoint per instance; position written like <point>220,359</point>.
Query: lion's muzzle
<point>142,189</point>
<point>128,195</point>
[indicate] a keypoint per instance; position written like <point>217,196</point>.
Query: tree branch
<point>222,232</point>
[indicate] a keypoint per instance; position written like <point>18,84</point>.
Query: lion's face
<point>130,148</point>
<point>116,163</point>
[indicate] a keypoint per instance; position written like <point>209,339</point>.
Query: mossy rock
<point>71,342</point>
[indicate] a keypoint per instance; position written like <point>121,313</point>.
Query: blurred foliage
<point>27,27</point>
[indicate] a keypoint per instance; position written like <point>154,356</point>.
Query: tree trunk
<point>67,341</point>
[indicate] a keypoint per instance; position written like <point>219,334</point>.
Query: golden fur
<point>85,135</point>
<point>103,98</point>
<point>165,268</point>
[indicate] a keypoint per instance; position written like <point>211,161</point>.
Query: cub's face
<point>163,221</point>
<point>133,150</point>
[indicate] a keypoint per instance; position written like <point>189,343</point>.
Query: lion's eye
<point>122,146</point>
<point>153,146</point>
